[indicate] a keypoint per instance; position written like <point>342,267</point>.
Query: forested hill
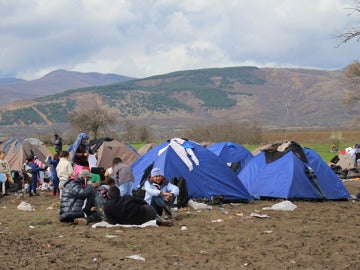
<point>275,97</point>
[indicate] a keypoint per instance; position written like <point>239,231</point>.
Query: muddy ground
<point>316,235</point>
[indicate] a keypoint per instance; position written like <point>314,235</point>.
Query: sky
<point>142,38</point>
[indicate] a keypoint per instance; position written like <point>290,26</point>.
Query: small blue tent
<point>233,154</point>
<point>206,175</point>
<point>289,177</point>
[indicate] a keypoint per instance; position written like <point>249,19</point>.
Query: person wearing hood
<point>159,193</point>
<point>80,151</point>
<point>129,210</point>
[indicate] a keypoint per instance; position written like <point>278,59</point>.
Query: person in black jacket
<point>129,210</point>
<point>74,194</point>
<point>58,144</point>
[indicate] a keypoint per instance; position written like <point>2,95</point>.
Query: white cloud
<point>140,38</point>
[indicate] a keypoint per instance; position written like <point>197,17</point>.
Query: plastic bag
<point>283,206</point>
<point>24,206</point>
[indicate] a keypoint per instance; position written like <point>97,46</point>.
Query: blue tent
<point>233,154</point>
<point>328,180</point>
<point>206,175</point>
<point>289,177</point>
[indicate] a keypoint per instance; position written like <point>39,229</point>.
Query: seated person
<point>74,194</point>
<point>159,193</point>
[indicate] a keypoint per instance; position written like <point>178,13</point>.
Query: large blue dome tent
<point>205,174</point>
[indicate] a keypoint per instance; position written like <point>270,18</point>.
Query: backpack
<point>183,198</point>
<point>139,192</point>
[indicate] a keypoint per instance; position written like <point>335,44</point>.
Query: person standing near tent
<point>57,143</point>
<point>64,170</point>
<point>6,172</point>
<point>34,169</point>
<point>123,175</point>
<point>80,151</point>
<point>54,177</point>
<point>159,193</point>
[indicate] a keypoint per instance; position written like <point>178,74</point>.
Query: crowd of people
<point>84,199</point>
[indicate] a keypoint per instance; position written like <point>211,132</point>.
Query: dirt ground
<point>316,235</point>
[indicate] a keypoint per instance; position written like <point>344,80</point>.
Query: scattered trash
<point>197,205</point>
<point>259,215</point>
<point>284,206</point>
<point>136,257</point>
<point>268,231</point>
<point>239,214</point>
<point>94,259</point>
<point>203,252</point>
<point>111,236</point>
<point>245,265</point>
<point>183,228</point>
<point>31,227</point>
<point>61,236</point>
<point>24,206</point>
<point>217,220</point>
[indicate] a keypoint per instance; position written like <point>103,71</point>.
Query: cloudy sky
<point>140,38</point>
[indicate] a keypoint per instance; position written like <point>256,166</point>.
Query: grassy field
<point>319,141</point>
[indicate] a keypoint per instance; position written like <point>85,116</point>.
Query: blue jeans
<point>126,188</point>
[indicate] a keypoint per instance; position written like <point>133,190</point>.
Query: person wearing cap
<point>159,193</point>
<point>129,210</point>
<point>74,194</point>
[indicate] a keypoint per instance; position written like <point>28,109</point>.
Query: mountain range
<point>57,81</point>
<point>276,97</point>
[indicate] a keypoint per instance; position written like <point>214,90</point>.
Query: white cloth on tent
<point>183,153</point>
<point>193,156</point>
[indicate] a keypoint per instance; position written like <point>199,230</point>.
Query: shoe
<point>30,194</point>
<point>36,194</point>
<point>162,222</point>
<point>169,212</point>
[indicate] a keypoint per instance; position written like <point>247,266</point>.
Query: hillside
<point>275,97</point>
<point>12,89</point>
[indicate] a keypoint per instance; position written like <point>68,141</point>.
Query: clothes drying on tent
<point>206,175</point>
<point>234,155</point>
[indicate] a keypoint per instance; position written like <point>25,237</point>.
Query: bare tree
<point>93,119</point>
<point>353,32</point>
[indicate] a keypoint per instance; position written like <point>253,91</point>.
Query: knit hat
<point>155,172</point>
<point>84,174</point>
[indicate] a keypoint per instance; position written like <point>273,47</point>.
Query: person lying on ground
<point>129,210</point>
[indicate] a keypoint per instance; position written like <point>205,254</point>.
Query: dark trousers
<point>56,181</point>
<point>159,204</point>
